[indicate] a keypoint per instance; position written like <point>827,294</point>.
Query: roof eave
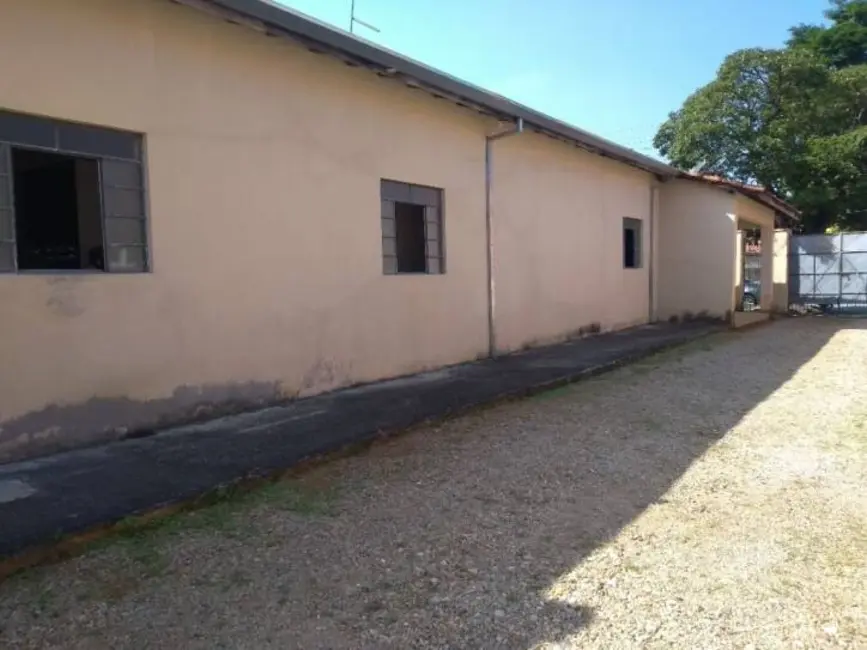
<point>760,195</point>
<point>269,18</point>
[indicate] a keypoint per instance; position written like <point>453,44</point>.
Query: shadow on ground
<point>551,480</point>
<point>450,536</point>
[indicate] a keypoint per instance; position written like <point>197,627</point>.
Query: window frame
<point>66,129</point>
<point>636,226</point>
<point>432,199</point>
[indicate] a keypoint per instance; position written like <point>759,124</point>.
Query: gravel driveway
<point>710,497</point>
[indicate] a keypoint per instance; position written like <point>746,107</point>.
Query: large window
<point>631,243</point>
<point>71,197</point>
<point>412,228</point>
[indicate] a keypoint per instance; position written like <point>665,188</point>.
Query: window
<point>631,243</point>
<point>410,238</point>
<point>412,233</point>
<point>71,197</point>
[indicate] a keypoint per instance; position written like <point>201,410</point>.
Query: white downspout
<point>489,140</point>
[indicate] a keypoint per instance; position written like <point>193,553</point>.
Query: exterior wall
<point>558,241</point>
<point>752,214</point>
<point>749,318</point>
<point>740,259</point>
<point>781,271</point>
<point>264,163</point>
<point>697,250</point>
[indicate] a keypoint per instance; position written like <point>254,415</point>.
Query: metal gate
<point>829,271</point>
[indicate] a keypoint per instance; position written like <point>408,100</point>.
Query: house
<point>703,247</point>
<point>211,204</point>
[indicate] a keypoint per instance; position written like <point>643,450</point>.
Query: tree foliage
<point>792,119</point>
<point>844,42</point>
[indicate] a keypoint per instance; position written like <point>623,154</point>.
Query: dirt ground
<point>714,496</point>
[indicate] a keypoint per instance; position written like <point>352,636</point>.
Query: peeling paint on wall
<point>324,375</point>
<point>58,428</point>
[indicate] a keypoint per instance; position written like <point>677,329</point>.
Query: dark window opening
<point>412,228</point>
<point>410,236</point>
<point>58,216</point>
<point>631,243</point>
<point>630,260</point>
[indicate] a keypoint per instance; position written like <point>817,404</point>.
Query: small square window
<point>631,243</point>
<point>411,228</point>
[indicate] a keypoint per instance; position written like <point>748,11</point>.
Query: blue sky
<point>613,67</point>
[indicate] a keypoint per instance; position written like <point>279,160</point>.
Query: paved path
<point>709,497</point>
<point>67,493</point>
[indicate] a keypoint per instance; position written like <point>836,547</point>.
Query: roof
<point>757,193</point>
<point>270,18</point>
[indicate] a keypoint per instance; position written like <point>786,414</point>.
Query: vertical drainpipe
<point>651,257</point>
<point>489,240</point>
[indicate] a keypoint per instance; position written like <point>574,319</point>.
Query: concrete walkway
<point>44,499</point>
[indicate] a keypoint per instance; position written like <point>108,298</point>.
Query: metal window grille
<point>121,186</point>
<point>8,260</point>
<point>430,199</point>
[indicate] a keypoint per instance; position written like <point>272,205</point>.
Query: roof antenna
<point>353,20</point>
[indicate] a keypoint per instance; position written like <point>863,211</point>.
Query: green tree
<point>794,120</point>
<point>843,43</point>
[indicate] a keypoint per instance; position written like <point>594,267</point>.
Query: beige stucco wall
<point>697,250</point>
<point>264,163</point>
<point>749,318</point>
<point>781,270</point>
<point>558,240</point>
<point>752,214</point>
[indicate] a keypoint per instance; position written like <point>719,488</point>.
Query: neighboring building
<point>702,262</point>
<point>701,265</point>
<point>211,204</point>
